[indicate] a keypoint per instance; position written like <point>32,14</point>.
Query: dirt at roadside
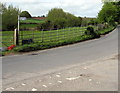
<point>98,75</point>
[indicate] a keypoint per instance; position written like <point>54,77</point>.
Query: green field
<point>48,39</point>
<point>7,38</point>
<point>22,26</point>
<point>32,21</point>
<point>43,36</point>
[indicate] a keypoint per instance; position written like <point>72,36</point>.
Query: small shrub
<point>90,31</point>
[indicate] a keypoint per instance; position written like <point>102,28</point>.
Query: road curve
<point>62,56</point>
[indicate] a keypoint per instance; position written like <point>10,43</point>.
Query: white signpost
<point>16,33</point>
<point>18,23</point>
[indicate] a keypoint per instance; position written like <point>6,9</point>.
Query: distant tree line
<point>57,19</point>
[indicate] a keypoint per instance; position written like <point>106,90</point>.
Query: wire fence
<point>44,36</point>
<point>7,38</point>
<point>52,35</point>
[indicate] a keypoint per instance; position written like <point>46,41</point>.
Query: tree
<point>9,17</point>
<point>79,21</point>
<point>84,21</point>
<point>25,14</point>
<point>110,13</point>
<point>1,11</point>
<point>117,4</point>
<point>43,16</point>
<point>57,17</point>
<point>60,19</point>
<point>72,20</point>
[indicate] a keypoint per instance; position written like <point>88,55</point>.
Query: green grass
<point>105,31</point>
<point>53,35</point>
<point>44,45</point>
<point>7,38</point>
<point>32,21</point>
<point>48,39</point>
<point>43,36</point>
<point>28,25</point>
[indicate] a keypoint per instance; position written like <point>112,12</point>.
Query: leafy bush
<point>90,31</point>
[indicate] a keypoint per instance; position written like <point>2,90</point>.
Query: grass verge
<point>47,45</point>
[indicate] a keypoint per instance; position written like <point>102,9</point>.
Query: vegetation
<point>110,13</point>
<point>57,38</point>
<point>91,31</point>
<point>31,21</point>
<point>105,31</point>
<point>25,14</point>
<point>30,24</point>
<point>48,35</point>
<point>9,16</point>
<point>89,21</point>
<point>57,19</point>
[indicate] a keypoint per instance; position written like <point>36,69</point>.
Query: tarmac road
<point>30,64</point>
<point>98,75</point>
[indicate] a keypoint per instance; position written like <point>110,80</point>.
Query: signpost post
<point>16,33</point>
<point>18,23</point>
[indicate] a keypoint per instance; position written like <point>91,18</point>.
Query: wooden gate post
<point>16,37</point>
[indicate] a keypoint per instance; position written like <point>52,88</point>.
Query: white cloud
<point>41,7</point>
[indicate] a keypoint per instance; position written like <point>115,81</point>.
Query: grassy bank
<point>46,45</point>
<point>43,36</point>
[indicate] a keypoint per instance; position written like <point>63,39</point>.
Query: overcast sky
<point>88,8</point>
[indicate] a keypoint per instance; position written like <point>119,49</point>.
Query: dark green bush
<point>90,31</point>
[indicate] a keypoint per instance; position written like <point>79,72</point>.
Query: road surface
<point>30,64</point>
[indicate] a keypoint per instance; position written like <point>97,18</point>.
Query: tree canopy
<point>9,17</point>
<point>25,14</point>
<point>59,19</point>
<point>110,12</point>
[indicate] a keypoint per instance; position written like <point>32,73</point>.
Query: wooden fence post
<point>16,37</point>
